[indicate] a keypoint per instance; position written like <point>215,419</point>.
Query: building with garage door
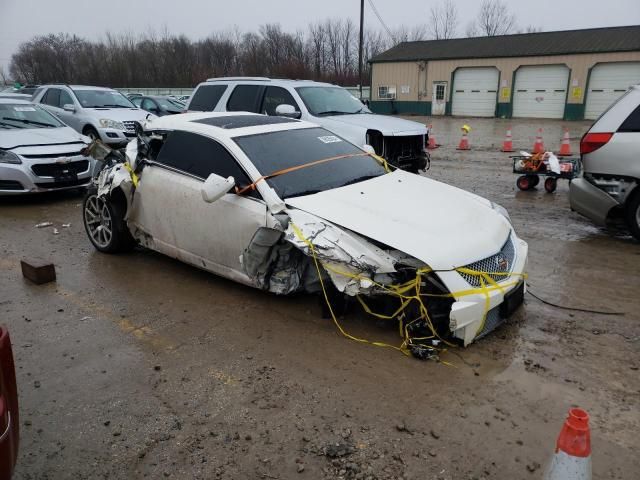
<point>568,75</point>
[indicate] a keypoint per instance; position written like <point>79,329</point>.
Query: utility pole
<point>360,49</point>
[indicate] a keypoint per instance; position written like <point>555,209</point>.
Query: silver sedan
<point>39,153</point>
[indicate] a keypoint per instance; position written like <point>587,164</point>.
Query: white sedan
<point>287,206</point>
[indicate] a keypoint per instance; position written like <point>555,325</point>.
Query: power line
<point>375,10</point>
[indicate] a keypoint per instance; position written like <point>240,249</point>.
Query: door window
<point>244,99</point>
<point>200,156</point>
<point>206,98</point>
<point>52,97</point>
<point>65,99</point>
<point>275,96</point>
<point>440,90</point>
<point>137,101</point>
<point>149,105</point>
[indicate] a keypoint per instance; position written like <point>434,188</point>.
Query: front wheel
<point>105,225</point>
<point>550,184</point>
<point>633,215</point>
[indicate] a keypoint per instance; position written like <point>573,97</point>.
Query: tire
<point>523,183</point>
<point>550,184</point>
<point>632,214</point>
<point>91,133</point>
<point>535,180</point>
<point>104,223</point>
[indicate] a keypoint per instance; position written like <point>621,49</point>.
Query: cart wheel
<point>535,180</point>
<point>523,183</point>
<point>550,184</point>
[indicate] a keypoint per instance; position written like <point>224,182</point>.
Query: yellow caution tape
<point>487,285</point>
<point>134,176</point>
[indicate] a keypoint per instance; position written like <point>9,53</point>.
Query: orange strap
<point>252,186</point>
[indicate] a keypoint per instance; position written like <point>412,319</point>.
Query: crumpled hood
<point>389,126</point>
<point>38,136</point>
<point>120,114</point>
<point>441,225</point>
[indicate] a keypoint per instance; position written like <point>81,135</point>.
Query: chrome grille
<point>130,126</point>
<point>494,266</point>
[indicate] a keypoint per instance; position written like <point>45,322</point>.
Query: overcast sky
<point>22,19</point>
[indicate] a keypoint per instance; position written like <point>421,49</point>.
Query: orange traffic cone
<point>538,146</point>
<point>464,141</point>
<point>432,145</point>
<point>507,145</point>
<point>572,460</point>
<point>565,146</point>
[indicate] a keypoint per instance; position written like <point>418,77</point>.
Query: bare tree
<point>530,29</point>
<point>444,20</point>
<point>494,18</point>
<point>327,50</point>
<point>4,79</point>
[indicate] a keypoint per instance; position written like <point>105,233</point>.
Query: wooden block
<point>38,271</point>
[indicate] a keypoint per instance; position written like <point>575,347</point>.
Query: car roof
<point>271,81</point>
<point>238,124</point>
<point>76,87</point>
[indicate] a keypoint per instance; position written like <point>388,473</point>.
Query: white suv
<point>610,152</point>
<point>97,112</point>
<point>401,142</point>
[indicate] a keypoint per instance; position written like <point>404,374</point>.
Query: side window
<point>275,96</point>
<point>632,122</point>
<point>137,101</point>
<point>200,156</point>
<point>149,105</point>
<point>206,98</point>
<point>244,98</point>
<point>52,97</point>
<point>65,98</point>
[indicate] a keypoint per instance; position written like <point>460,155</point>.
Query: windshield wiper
<point>30,122</point>
<point>10,125</point>
<point>113,105</point>
<point>333,112</point>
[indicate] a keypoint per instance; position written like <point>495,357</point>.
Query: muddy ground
<point>137,366</point>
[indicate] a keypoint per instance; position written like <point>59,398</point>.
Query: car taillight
<point>592,141</point>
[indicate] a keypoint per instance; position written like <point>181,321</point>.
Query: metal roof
<point>567,42</point>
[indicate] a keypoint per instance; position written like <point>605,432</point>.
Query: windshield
<point>274,151</point>
<point>330,101</point>
<point>102,98</point>
<point>26,116</point>
<point>170,104</point>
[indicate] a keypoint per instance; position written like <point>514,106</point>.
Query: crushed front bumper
<point>477,311</point>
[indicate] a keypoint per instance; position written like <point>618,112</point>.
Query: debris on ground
<point>44,225</point>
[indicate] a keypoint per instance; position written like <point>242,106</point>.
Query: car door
<point>51,101</point>
<point>168,206</point>
<point>70,118</point>
<point>274,96</point>
<point>245,98</point>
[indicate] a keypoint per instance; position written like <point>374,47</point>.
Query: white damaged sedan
<point>287,206</point>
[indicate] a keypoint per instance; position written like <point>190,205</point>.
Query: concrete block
<point>38,271</point>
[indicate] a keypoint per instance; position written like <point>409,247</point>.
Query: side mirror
<point>288,111</point>
<point>215,187</point>
<point>369,149</point>
<point>69,107</point>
